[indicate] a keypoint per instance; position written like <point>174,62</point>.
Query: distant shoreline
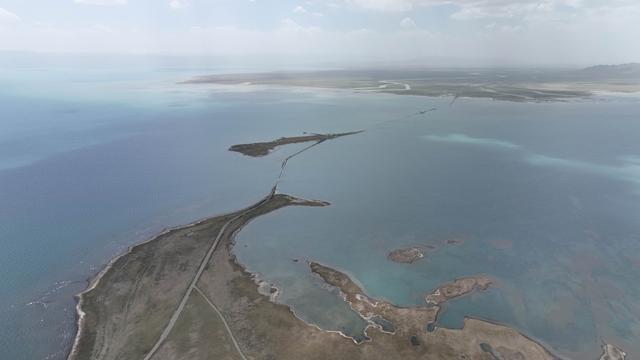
<point>500,85</point>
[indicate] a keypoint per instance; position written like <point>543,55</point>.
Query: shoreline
<point>368,308</point>
<point>531,338</point>
<point>255,278</point>
<point>553,87</point>
<point>94,281</point>
<point>99,321</point>
<point>238,214</point>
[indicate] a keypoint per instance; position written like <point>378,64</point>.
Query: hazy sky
<point>530,31</point>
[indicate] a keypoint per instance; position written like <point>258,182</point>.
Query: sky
<point>544,32</point>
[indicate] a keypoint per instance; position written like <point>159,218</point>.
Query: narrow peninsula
<point>184,295</point>
<point>259,149</point>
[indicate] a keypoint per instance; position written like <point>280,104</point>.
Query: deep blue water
<point>544,197</point>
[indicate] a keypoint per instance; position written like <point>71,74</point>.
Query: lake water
<point>544,197</point>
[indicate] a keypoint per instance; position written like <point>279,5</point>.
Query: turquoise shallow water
<point>544,197</point>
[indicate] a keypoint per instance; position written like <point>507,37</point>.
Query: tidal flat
<point>517,85</point>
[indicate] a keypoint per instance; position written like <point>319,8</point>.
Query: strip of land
<point>458,287</point>
<point>126,311</point>
<point>264,148</point>
<point>183,295</point>
<point>610,352</point>
<point>406,256</point>
<point>517,85</point>
<point>129,307</point>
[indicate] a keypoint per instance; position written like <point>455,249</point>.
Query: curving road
<point>203,264</point>
<point>233,339</point>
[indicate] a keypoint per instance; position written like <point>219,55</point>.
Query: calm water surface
<point>94,160</point>
<point>544,198</point>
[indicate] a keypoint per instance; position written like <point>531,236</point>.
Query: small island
<point>458,287</point>
<point>264,148</point>
<point>610,352</point>
<point>406,256</point>
<point>415,253</point>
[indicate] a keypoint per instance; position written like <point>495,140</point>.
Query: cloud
<point>408,24</point>
<point>101,2</point>
<point>300,10</point>
<point>468,140</point>
<point>7,17</point>
<point>504,28</point>
<point>520,32</point>
<point>481,9</point>
<point>292,26</point>
<point>303,10</point>
<point>178,4</point>
<point>500,9</point>
<point>382,5</point>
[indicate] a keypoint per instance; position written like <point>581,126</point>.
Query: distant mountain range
<point>621,70</point>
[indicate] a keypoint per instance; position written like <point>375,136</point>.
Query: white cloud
<point>549,32</point>
<point>510,28</point>
<point>498,9</point>
<point>293,26</point>
<point>476,9</point>
<point>300,10</point>
<point>408,24</point>
<point>178,4</point>
<point>303,10</point>
<point>101,2</point>
<point>382,5</point>
<point>7,17</point>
